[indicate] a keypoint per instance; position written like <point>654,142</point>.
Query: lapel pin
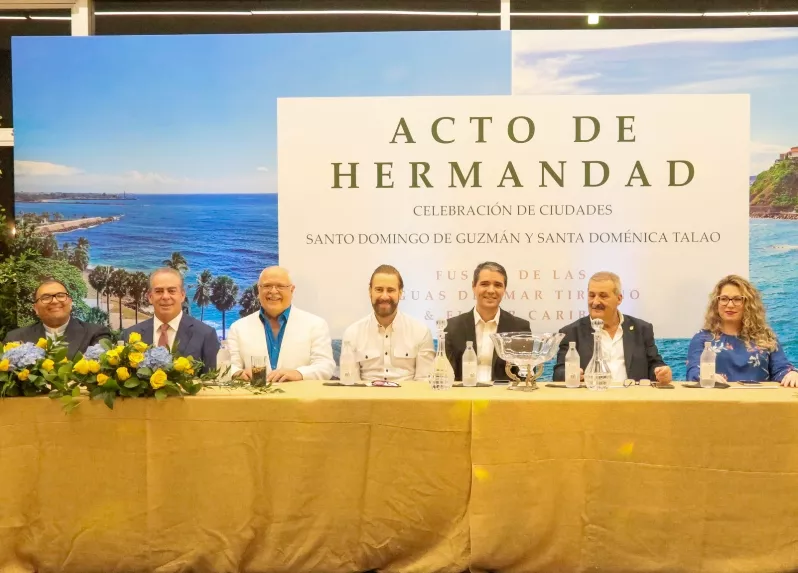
<point>631,328</point>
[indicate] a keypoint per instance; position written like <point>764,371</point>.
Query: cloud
<point>550,41</point>
<point>732,84</point>
<point>764,154</point>
<point>42,169</point>
<point>548,76</point>
<point>39,176</point>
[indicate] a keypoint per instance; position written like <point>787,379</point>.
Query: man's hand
<point>663,374</point>
<point>245,374</point>
<point>284,375</point>
<point>790,379</point>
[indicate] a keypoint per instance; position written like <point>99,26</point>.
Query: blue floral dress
<point>736,361</point>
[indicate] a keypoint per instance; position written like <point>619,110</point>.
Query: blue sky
<point>175,114</point>
<point>762,62</point>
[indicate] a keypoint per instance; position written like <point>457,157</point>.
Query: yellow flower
<point>158,379</point>
<point>190,372</point>
<point>23,374</point>
<point>81,367</point>
<point>135,358</point>
<point>48,365</point>
<point>9,345</point>
<point>182,364</point>
<point>113,360</point>
<point>42,343</point>
<point>134,338</point>
<point>4,365</point>
<point>94,366</point>
<point>140,346</point>
<point>122,373</point>
<point>63,361</point>
<point>102,379</point>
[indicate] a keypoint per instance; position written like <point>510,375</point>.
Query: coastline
<point>74,224</point>
<point>777,216</point>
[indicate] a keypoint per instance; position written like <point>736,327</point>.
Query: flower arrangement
<point>132,369</point>
<point>28,369</point>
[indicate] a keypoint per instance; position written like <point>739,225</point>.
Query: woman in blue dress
<point>746,347</point>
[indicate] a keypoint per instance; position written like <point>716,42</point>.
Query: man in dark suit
<point>476,325</point>
<point>627,342</point>
<point>171,325</point>
<point>53,305</point>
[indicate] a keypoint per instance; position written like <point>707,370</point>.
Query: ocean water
<point>236,235</point>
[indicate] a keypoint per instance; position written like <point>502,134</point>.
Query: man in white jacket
<point>296,343</point>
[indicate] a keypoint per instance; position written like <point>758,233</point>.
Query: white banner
<point>555,188</point>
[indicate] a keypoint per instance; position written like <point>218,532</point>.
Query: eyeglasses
<point>734,300</point>
<point>269,287</point>
<point>48,298</point>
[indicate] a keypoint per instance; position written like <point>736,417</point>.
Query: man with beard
<point>627,342</point>
<point>476,325</point>
<point>388,344</point>
<point>296,343</point>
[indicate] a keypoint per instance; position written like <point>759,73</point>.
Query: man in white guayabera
<point>295,344</point>
<point>626,342</point>
<point>388,344</point>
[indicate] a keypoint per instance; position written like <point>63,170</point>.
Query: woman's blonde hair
<point>755,329</point>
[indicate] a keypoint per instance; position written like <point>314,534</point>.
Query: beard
<point>387,310</point>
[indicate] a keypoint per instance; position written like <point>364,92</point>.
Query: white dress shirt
<point>170,334</point>
<point>612,348</point>
<point>53,333</point>
<point>484,345</point>
<point>401,351</point>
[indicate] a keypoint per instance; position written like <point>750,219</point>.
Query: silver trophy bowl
<point>528,352</point>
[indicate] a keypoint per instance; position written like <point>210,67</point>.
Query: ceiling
<point>230,24</point>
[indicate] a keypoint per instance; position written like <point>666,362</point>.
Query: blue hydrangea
<point>157,357</point>
<point>24,355</point>
<point>94,352</point>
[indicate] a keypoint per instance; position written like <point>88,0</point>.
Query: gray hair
<point>608,276</point>
<point>166,270</point>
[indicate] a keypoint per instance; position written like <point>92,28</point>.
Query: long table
<point>407,479</point>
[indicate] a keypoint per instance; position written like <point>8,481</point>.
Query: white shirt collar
<point>174,323</point>
<point>56,331</point>
<point>392,326</point>
<point>478,319</point>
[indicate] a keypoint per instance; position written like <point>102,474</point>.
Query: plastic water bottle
<point>349,371</point>
<point>572,366</point>
<point>707,375</point>
<point>469,365</point>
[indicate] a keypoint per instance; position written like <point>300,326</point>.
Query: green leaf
<point>33,377</point>
<point>78,357</point>
<point>131,382</point>
<point>109,399</point>
<point>144,373</point>
<point>160,394</point>
<point>76,391</point>
<point>65,369</point>
<point>59,355</point>
<point>106,344</point>
<point>65,399</point>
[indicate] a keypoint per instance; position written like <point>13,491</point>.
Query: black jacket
<point>193,338</point>
<point>78,334</point>
<point>461,328</point>
<point>639,350</point>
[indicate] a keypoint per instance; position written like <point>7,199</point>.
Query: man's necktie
<point>163,339</point>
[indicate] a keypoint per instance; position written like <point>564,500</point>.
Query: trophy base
<point>526,384</point>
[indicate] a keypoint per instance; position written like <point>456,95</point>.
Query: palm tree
<point>97,316</point>
<point>224,292</point>
<point>98,279</point>
<point>117,285</point>
<point>80,254</point>
<point>202,296</point>
<point>138,286</point>
<point>249,301</point>
<point>177,262</point>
